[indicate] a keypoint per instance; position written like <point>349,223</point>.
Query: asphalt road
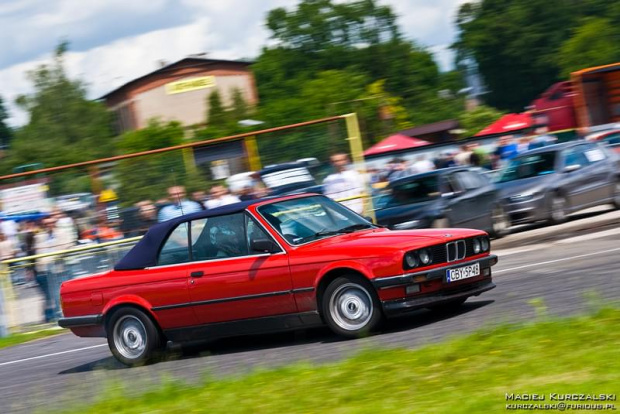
<point>571,268</point>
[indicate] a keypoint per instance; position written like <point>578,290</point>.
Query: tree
<point>64,126</point>
<point>593,43</point>
<point>6,134</point>
<point>516,43</point>
<point>216,114</point>
<point>148,177</point>
<point>477,119</point>
<point>239,106</point>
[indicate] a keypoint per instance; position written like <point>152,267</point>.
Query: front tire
<point>350,307</point>
<point>132,336</point>
<point>557,211</point>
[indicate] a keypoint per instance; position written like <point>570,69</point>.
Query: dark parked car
<point>448,197</point>
<point>550,183</point>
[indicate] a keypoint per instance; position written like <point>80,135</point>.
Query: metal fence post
<point>7,300</point>
<point>357,153</point>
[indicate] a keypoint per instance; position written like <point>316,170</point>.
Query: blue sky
<point>115,41</point>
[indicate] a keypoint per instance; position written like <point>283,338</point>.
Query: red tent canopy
<point>508,123</point>
<point>394,143</point>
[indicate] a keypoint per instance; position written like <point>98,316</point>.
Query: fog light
<point>412,289</point>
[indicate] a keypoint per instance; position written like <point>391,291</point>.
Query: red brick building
<point>180,92</point>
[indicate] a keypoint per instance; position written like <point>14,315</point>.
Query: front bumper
<point>527,211</point>
<point>447,291</point>
<point>393,307</point>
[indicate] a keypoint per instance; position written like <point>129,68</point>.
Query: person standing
<point>219,196</point>
<point>179,205</point>
<point>344,183</point>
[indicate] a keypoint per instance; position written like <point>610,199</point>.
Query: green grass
<point>469,374</point>
<point>22,337</point>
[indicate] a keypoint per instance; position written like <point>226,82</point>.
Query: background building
<point>180,92</point>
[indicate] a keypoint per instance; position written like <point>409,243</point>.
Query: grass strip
<point>469,374</point>
<point>23,337</point>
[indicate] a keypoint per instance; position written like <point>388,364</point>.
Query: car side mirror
<point>571,168</point>
<point>264,246</point>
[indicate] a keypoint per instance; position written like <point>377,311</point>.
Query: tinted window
<point>612,139</point>
<point>175,250</point>
<point>529,166</point>
<point>575,156</point>
<point>416,191</point>
<point>219,237</point>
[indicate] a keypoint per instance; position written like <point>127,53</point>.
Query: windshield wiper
<point>355,227</point>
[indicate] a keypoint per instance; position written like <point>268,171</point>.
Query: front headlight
<point>485,244</point>
<point>477,246</point>
<point>411,260</point>
<point>526,196</point>
<point>425,256</point>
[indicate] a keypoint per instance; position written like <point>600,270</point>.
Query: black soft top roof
<point>144,253</point>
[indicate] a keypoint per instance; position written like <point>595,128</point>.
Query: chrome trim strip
<point>77,321</point>
<point>232,299</point>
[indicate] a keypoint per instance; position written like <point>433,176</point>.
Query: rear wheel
<point>133,338</point>
<point>557,211</point>
<point>350,307</point>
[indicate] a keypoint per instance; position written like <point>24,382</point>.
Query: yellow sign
<point>190,84</point>
<point>107,195</point>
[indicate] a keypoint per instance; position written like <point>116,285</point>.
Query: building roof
<point>431,128</point>
<point>185,62</point>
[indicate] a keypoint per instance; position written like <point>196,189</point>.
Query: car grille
<point>452,251</point>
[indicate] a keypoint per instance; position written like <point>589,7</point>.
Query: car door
<point>459,200</point>
<point>229,282</point>
<point>602,174</point>
<point>575,182</point>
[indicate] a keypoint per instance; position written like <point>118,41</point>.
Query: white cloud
<point>115,41</point>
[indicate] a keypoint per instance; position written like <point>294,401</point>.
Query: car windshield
<point>411,192</point>
<point>302,220</point>
<point>529,166</point>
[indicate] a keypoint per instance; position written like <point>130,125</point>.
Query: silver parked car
<point>551,182</point>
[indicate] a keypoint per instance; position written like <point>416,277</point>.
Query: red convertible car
<point>269,265</point>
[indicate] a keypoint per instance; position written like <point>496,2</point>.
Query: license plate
<point>460,273</point>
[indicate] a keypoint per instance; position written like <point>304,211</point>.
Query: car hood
<point>372,242</point>
<point>525,185</point>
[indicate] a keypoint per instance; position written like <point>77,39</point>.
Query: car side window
<point>575,156</point>
<point>468,180</point>
<point>176,247</point>
<point>594,153</point>
<point>453,184</point>
<point>219,237</point>
<point>254,232</point>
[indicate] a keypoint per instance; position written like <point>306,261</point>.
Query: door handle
<point>197,274</point>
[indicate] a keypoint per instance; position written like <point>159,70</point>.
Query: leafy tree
<point>64,126</point>
<point>593,43</point>
<point>239,106</point>
<point>477,119</point>
<point>148,177</point>
<point>516,43</point>
<point>216,114</point>
<point>6,133</point>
